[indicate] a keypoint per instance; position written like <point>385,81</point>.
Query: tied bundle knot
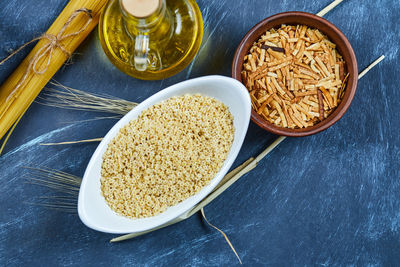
<point>54,42</point>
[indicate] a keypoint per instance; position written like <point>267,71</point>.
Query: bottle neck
<point>144,24</point>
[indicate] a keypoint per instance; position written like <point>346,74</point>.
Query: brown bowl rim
<point>351,66</point>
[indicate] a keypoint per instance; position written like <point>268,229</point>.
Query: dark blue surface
<point>328,199</point>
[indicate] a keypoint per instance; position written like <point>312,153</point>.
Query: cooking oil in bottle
<point>151,39</point>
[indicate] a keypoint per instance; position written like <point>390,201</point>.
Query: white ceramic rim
<point>89,199</point>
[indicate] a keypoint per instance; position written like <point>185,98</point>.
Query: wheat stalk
<point>62,182</point>
<point>62,96</point>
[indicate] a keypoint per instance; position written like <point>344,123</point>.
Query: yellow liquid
<point>168,54</point>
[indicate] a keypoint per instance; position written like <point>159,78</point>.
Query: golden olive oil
<point>155,47</point>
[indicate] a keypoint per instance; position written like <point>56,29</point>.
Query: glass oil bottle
<point>151,39</point>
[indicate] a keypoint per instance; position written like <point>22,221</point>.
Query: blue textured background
<point>328,199</point>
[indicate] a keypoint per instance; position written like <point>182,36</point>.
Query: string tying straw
<point>55,41</point>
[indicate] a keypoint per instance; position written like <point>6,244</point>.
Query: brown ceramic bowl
<point>333,33</point>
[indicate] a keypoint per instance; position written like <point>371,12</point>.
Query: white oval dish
<point>92,207</point>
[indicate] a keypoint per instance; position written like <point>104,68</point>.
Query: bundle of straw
<point>70,28</point>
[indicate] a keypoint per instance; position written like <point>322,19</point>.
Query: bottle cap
<point>140,8</point>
